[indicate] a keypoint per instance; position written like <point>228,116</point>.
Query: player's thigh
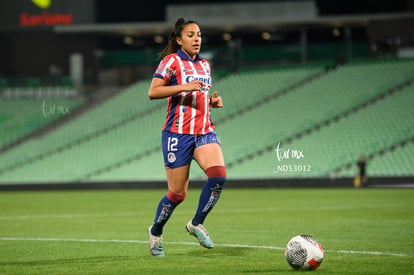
<point>177,179</point>
<point>209,155</point>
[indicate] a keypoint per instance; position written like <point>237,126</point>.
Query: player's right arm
<point>159,88</point>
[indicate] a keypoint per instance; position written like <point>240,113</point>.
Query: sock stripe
<point>175,198</point>
<point>216,171</point>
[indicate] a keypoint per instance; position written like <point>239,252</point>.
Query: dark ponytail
<point>172,45</point>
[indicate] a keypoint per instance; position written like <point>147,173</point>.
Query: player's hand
<point>194,85</point>
<point>216,101</point>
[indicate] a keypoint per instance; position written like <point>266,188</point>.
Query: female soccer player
<point>184,77</point>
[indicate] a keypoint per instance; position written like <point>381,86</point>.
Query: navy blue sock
<point>208,198</point>
<point>164,211</point>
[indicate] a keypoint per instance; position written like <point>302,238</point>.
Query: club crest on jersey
<point>171,157</point>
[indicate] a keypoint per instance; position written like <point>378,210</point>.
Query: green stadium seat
<point>120,139</point>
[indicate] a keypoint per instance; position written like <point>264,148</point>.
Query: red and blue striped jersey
<point>188,112</point>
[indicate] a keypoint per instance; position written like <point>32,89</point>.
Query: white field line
<point>378,253</point>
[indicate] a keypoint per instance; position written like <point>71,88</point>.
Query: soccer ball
<point>304,252</point>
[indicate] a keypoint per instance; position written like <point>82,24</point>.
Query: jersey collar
<point>184,56</point>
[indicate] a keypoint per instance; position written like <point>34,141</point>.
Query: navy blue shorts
<point>178,149</point>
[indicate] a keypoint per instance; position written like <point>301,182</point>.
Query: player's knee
<point>175,197</point>
<point>217,174</point>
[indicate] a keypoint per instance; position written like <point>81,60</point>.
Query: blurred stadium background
<point>308,87</point>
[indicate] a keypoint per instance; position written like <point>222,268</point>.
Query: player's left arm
<point>216,101</point>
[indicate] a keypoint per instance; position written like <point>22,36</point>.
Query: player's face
<point>190,40</point>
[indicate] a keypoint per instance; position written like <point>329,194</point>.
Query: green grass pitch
<point>363,231</point>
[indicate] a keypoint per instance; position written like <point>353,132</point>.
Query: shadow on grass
<point>219,252</point>
<point>225,252</point>
<point>252,271</point>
